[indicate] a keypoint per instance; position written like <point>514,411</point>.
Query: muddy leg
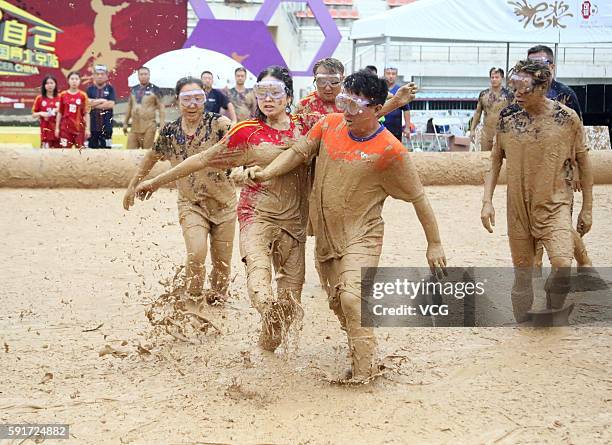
<point>221,245</point>
<point>523,255</point>
<point>195,243</point>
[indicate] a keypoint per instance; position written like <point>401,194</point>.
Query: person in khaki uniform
<point>490,102</point>
<point>206,199</point>
<point>546,159</point>
<point>359,165</point>
<point>145,100</point>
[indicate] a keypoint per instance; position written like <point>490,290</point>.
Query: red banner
<point>42,37</point>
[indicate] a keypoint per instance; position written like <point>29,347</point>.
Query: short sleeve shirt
<point>539,166</point>
<point>73,108</point>
<point>47,124</point>
<point>210,187</point>
<point>101,120</point>
<point>215,100</point>
<point>346,214</point>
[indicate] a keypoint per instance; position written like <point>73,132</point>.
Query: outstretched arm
<point>147,164</point>
<point>404,95</point>
<point>299,153</point>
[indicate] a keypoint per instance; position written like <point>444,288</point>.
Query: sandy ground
<point>74,260</point>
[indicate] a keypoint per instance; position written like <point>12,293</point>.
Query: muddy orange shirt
<point>47,124</point>
<point>351,183</point>
<point>283,200</point>
<point>73,108</point>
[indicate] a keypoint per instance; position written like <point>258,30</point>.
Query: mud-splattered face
<point>525,92</point>
<point>496,79</point>
<point>191,101</point>
<point>328,84</point>
<point>271,96</point>
<point>359,113</point>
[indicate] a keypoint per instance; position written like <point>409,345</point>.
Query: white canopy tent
<point>488,21</point>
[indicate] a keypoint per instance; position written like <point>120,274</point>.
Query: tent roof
<point>495,21</point>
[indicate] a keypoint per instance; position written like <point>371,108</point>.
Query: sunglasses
<point>351,104</point>
<point>269,88</point>
<point>196,97</point>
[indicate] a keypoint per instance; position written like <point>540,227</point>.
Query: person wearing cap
<point>102,99</point>
<point>490,102</point>
<point>393,120</point>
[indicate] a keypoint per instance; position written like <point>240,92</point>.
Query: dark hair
<point>206,72</point>
<point>186,81</point>
<point>72,73</point>
<point>238,69</point>
<point>366,84</point>
<point>540,71</point>
<point>542,49</point>
<point>371,68</point>
<point>496,70</point>
<point>281,73</point>
<point>331,64</point>
<point>43,90</point>
<point>144,68</point>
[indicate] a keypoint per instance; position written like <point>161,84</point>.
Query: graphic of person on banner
<point>101,47</point>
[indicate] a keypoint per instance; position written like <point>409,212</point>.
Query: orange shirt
<point>351,182</point>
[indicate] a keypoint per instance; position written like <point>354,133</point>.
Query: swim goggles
<point>324,80</point>
<point>540,59</point>
<point>351,104</point>
<point>520,84</point>
<point>274,89</point>
<point>197,97</point>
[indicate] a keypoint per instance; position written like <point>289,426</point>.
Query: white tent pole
<point>507,57</point>
<point>387,42</point>
<point>354,56</point>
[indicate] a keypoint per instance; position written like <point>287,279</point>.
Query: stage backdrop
<point>40,37</point>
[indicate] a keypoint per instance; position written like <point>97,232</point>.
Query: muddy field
<point>75,346</point>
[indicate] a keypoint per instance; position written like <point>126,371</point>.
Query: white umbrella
<point>169,67</point>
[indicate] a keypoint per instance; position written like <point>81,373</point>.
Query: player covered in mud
<point>543,144</point>
<point>490,102</point>
<point>145,100</point>
<point>272,216</point>
<point>359,165</point>
<point>206,198</point>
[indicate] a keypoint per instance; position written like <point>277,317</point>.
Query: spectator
<point>45,109</point>
<point>215,99</point>
<point>145,99</point>
<point>102,100</point>
<point>72,123</point>
<point>393,120</point>
<point>558,91</point>
<point>242,98</point>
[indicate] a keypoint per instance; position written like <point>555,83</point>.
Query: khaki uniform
<point>144,102</point>
<point>206,203</point>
